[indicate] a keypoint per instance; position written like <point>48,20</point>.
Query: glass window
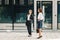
<point>6,17</point>
<point>21,17</point>
<point>30,2</point>
<point>20,12</point>
<point>16,2</point>
<point>7,2</point>
<point>17,11</point>
<point>21,2</point>
<point>6,14</point>
<point>58,17</point>
<point>0,2</point>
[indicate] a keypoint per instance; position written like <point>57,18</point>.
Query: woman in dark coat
<point>29,19</point>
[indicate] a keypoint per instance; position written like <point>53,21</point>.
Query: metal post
<point>13,18</point>
<point>13,24</point>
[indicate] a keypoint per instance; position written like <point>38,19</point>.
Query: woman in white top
<point>40,20</point>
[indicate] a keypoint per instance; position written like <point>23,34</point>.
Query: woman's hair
<point>40,10</point>
<point>29,10</point>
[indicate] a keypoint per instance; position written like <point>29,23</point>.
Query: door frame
<point>54,13</point>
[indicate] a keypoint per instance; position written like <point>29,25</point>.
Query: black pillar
<point>12,12</point>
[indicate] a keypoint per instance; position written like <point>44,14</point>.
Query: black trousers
<point>29,27</point>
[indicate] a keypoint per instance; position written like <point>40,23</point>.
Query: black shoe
<point>39,37</point>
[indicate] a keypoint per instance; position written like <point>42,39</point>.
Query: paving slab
<point>24,36</point>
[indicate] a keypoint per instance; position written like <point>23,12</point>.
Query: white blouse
<point>40,16</point>
<point>28,17</point>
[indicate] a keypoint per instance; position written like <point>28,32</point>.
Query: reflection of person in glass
<point>40,20</point>
<point>28,22</point>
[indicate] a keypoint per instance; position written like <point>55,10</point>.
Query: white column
<point>54,25</point>
<point>35,14</point>
<point>43,15</point>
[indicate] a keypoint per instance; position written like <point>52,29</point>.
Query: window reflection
<point>7,2</point>
<point>21,2</point>
<point>21,17</point>
<point>0,2</point>
<point>30,2</point>
<point>58,17</point>
<point>16,9</point>
<point>5,14</point>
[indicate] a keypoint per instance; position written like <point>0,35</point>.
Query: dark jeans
<point>29,27</point>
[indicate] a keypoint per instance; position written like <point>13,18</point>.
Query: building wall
<point>15,11</point>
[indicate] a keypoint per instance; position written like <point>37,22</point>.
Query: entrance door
<point>47,12</point>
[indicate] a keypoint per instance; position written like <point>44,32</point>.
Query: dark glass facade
<point>15,10</point>
<point>58,14</point>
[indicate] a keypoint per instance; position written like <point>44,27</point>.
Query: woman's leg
<point>40,28</point>
<point>40,34</point>
<point>40,31</point>
<point>29,28</point>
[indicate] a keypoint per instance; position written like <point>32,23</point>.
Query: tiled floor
<point>51,35</point>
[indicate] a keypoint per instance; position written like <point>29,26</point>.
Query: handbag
<point>37,30</point>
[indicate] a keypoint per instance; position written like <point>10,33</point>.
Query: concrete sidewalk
<point>24,36</point>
